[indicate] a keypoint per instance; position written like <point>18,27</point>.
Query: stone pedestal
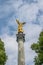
<point>21,56</point>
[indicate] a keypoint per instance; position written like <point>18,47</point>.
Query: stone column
<point>21,56</point>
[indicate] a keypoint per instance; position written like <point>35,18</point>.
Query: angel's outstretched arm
<point>17,21</point>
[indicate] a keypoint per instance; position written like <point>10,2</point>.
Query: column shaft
<point>21,57</point>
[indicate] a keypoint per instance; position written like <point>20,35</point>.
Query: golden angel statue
<point>20,26</point>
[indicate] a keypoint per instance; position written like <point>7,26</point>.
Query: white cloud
<point>28,12</point>
<point>10,42</point>
<point>41,20</point>
<point>40,4</point>
<point>32,31</point>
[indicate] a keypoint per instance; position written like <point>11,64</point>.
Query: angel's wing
<point>17,21</point>
<point>24,23</point>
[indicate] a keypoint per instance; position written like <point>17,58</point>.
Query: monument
<point>20,39</point>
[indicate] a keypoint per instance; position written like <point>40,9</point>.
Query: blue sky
<point>29,11</point>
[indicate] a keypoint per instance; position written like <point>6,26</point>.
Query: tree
<point>38,48</point>
<point>3,56</point>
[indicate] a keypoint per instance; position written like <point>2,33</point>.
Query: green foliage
<point>35,47</point>
<point>37,62</point>
<point>38,48</point>
<point>3,56</point>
